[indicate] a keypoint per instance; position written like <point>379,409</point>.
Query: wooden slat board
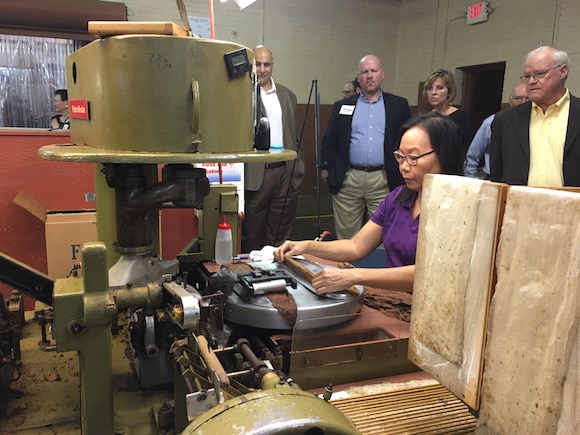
<point>458,232</point>
<point>420,410</point>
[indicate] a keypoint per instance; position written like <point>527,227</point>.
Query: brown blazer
<point>254,172</point>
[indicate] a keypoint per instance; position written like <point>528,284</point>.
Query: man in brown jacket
<point>271,189</point>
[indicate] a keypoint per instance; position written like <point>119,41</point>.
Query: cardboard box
<point>66,231</point>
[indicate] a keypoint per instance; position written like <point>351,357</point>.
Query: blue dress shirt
<point>479,148</point>
<point>368,132</point>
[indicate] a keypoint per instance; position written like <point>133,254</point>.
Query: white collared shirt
<point>274,114</point>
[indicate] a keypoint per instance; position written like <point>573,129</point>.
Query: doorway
<point>482,90</point>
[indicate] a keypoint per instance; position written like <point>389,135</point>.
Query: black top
<point>461,118</point>
<point>63,124</point>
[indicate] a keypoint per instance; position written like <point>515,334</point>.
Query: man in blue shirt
<point>357,149</point>
<point>480,144</point>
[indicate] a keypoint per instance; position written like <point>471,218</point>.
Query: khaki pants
<point>358,198</point>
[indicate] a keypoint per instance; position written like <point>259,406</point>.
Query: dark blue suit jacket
<point>509,150</point>
<point>336,141</point>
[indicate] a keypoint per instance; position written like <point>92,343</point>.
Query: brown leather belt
<point>366,168</point>
<point>275,165</point>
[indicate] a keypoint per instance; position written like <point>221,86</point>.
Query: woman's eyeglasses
<point>410,158</point>
<point>437,89</point>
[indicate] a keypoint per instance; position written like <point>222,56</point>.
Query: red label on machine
<point>79,109</point>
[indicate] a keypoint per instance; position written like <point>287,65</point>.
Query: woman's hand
<point>331,279</point>
<point>291,248</point>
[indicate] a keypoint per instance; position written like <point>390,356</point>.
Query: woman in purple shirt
<point>430,144</point>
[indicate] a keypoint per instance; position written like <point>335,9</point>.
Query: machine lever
<point>29,281</point>
<point>212,361</point>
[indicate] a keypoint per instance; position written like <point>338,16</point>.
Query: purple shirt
<point>399,228</point>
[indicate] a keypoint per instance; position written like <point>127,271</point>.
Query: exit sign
<point>477,13</point>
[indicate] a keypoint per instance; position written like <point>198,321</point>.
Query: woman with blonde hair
<point>440,90</point>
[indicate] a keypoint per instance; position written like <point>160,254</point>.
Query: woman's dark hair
<point>63,94</point>
<point>446,139</point>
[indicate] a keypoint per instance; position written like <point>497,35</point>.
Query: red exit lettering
<point>475,10</point>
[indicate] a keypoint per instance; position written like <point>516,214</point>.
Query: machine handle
<point>212,361</point>
<point>26,279</point>
<point>196,103</point>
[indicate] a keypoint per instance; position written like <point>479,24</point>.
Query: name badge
<point>346,110</point>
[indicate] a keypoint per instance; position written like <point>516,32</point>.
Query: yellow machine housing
<point>160,93</point>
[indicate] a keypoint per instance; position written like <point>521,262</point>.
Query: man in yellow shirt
<point>538,143</point>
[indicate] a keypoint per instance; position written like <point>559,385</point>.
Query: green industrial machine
<point>141,103</point>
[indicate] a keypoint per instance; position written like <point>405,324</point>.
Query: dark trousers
<point>269,211</point>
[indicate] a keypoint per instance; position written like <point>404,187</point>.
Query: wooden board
<point>307,274</point>
<point>102,29</point>
<point>458,233</point>
<point>531,381</point>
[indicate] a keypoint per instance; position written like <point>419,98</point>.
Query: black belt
<point>275,165</point>
<point>367,168</point>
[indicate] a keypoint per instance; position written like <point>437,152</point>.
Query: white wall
<point>324,39</point>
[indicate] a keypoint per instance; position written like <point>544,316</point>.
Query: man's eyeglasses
<point>437,89</point>
<point>538,75</point>
<point>520,98</point>
<point>345,93</point>
<point>410,158</point>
